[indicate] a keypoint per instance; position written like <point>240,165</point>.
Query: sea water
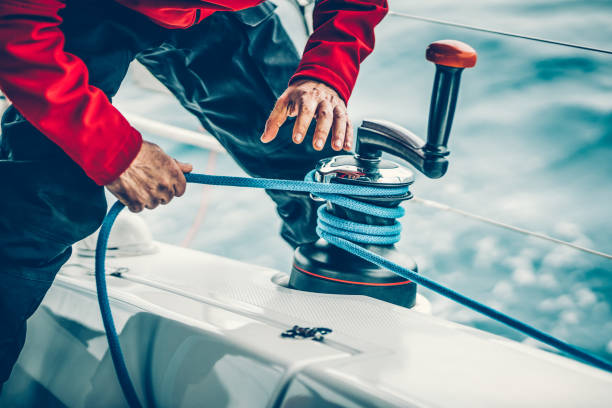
<point>531,146</point>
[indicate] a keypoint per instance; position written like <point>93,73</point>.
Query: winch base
<point>323,268</point>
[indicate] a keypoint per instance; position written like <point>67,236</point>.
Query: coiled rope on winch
<point>342,233</point>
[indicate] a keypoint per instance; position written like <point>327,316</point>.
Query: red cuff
<point>118,161</point>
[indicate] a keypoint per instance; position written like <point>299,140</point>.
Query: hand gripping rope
<point>342,233</point>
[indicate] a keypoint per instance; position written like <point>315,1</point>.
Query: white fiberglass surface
<point>530,146</point>
<point>216,358</point>
<point>211,332</point>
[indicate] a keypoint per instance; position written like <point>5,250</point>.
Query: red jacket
<point>50,87</point>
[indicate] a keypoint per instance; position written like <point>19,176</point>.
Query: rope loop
<point>356,232</point>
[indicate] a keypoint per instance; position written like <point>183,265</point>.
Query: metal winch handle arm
<point>375,136</point>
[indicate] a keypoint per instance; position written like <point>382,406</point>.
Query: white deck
<point>211,332</point>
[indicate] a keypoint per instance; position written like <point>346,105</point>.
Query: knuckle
<point>307,109</point>
<point>324,112</point>
<point>163,186</point>
<point>271,123</point>
<point>180,188</point>
<point>278,108</point>
<point>282,99</point>
<point>135,208</point>
<point>153,202</point>
<point>137,199</point>
<point>321,134</point>
<point>304,98</point>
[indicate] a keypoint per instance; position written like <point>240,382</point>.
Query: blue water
<point>531,146</point>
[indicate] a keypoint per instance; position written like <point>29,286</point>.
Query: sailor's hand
<point>153,178</point>
<point>309,99</point>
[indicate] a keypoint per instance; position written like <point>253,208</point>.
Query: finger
<point>180,184</point>
<point>165,192</point>
<point>152,203</point>
<point>348,139</point>
<point>132,205</point>
<point>185,167</point>
<point>307,106</point>
<point>339,128</point>
<point>325,119</point>
<point>135,205</point>
<point>276,120</point>
<point>145,197</point>
<point>135,208</point>
<point>131,202</point>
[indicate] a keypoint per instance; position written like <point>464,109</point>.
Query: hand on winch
<point>153,178</point>
<point>309,99</point>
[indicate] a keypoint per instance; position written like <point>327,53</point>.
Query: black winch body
<point>325,268</point>
<point>322,267</point>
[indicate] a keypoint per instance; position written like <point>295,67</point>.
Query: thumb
<point>185,167</point>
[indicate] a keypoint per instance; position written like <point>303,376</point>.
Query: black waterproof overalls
<point>228,71</point>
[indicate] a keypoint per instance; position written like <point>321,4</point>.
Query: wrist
<point>325,76</point>
<point>117,163</point>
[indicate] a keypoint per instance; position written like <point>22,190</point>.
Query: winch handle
<point>375,136</point>
<point>450,57</point>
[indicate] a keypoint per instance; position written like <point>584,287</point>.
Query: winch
<point>322,267</point>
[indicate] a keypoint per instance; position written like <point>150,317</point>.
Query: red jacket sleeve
<point>343,37</point>
<point>51,89</point>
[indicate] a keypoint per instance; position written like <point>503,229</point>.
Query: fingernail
<point>298,137</point>
<point>319,144</point>
<point>338,144</point>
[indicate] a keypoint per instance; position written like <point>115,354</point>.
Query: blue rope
<point>107,317</point>
<point>308,186</point>
<point>337,231</point>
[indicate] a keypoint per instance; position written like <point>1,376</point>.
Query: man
<point>227,61</point>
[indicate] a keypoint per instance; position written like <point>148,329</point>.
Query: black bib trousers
<point>228,71</point>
